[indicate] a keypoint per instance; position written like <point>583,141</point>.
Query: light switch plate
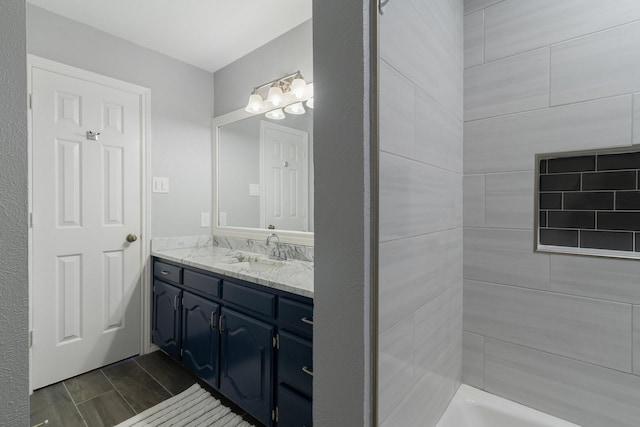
<point>254,189</point>
<point>204,219</point>
<point>160,184</point>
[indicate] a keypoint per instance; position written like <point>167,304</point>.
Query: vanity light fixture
<point>288,93</point>
<point>296,108</point>
<point>310,103</point>
<point>276,114</point>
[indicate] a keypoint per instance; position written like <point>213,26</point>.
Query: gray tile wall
<point>420,355</point>
<point>559,333</point>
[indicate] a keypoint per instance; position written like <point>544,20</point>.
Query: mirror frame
<point>305,238</point>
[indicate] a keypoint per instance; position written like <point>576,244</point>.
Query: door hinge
<point>276,342</point>
<point>275,414</point>
<point>181,351</point>
<point>30,338</point>
<point>30,101</point>
<point>30,219</point>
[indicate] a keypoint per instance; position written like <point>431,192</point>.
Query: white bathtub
<point>471,407</point>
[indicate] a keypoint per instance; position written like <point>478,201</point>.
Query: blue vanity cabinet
<point>294,410</point>
<point>166,320</point>
<point>246,363</point>
<point>200,339</point>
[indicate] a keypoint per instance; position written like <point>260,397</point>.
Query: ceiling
<point>208,34</point>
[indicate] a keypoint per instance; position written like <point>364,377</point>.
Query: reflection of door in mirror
<point>284,178</point>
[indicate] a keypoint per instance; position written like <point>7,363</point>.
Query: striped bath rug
<point>193,407</point>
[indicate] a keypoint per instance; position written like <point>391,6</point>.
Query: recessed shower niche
<point>589,203</point>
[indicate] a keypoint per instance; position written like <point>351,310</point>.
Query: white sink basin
<point>257,263</point>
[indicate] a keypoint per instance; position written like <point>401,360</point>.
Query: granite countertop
<point>291,275</point>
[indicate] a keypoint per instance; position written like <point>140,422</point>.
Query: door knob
<point>131,237</point>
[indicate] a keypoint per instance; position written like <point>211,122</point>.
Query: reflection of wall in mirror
<point>239,169</point>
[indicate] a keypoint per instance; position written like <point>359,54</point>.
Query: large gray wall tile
<point>509,200</point>
<point>474,39</point>
<point>586,329</point>
<point>636,118</point>
<point>473,359</point>
<point>438,134</point>
<point>434,390</point>
<point>396,107</point>
<point>396,364</point>
<point>603,64</point>
<point>415,271</point>
<point>504,256</point>
<point>604,278</point>
<point>437,324</point>
<point>510,85</point>
<point>416,198</point>
<point>473,202</point>
<point>473,5</point>
<point>515,26</point>
<point>402,30</point>
<point>636,339</point>
<point>509,143</point>
<point>582,393</point>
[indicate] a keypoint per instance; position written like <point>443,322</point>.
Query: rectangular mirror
<point>263,176</point>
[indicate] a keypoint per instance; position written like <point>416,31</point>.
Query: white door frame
<point>145,178</point>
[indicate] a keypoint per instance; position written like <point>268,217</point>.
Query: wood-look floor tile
<point>137,387</point>
<point>105,410</point>
<point>167,372</point>
<point>87,386</point>
<point>53,403</point>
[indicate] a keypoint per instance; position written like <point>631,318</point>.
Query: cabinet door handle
<point>307,371</point>
<point>175,302</point>
<point>165,273</point>
<point>213,320</point>
<point>307,320</point>
<point>220,323</point>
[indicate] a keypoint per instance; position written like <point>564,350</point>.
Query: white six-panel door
<point>285,192</point>
<point>86,199</point>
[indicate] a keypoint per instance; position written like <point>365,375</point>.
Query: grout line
<point>418,236</point>
<point>118,391</point>
<point>75,404</point>
<point>390,153</point>
<point>154,378</point>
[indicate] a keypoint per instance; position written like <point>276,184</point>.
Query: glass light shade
<point>276,114</point>
<point>275,95</point>
<point>310,103</point>
<point>298,87</point>
<point>296,108</point>
<point>255,103</point>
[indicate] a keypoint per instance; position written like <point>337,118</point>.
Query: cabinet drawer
<point>294,410</point>
<point>201,282</point>
<point>167,272</point>
<point>295,315</point>
<point>257,301</point>
<point>295,362</point>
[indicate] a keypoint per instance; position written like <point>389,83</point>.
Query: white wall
<point>342,149</point>
<point>420,298</point>
<point>181,110</point>
<point>559,333</point>
<point>14,374</point>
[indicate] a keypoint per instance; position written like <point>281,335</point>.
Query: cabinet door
<point>200,337</point>
<point>294,410</point>
<point>166,318</point>
<point>246,363</point>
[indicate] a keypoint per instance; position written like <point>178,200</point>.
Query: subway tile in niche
<point>554,237</point>
<point>609,180</point>
<point>543,219</point>
<point>571,219</point>
<point>562,182</point>
<point>619,221</point>
<point>588,201</point>
<point>612,240</point>
<point>637,242</point>
<point>618,161</point>
<point>572,164</point>
<point>628,200</point>
<point>543,166</point>
<point>550,200</point>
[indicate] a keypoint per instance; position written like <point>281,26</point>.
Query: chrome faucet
<point>276,253</point>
